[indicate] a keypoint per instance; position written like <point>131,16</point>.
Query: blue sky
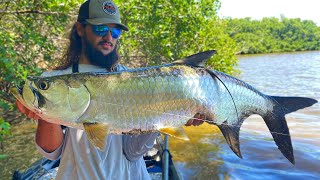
<point>257,9</point>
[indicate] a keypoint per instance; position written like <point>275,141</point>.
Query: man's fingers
<point>203,117</point>
<point>27,111</point>
<point>21,107</point>
<point>197,116</point>
<point>196,120</point>
<point>189,123</point>
<point>36,117</point>
<point>30,114</point>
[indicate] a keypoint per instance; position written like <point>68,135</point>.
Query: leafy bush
<point>33,37</point>
<point>4,129</point>
<point>30,38</point>
<point>273,35</point>
<point>162,31</point>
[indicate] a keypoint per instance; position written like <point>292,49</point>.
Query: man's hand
<point>196,120</point>
<point>27,111</point>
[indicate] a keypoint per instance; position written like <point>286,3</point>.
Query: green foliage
<point>4,129</point>
<point>3,156</point>
<point>30,38</point>
<point>273,35</point>
<point>162,31</point>
<point>33,37</point>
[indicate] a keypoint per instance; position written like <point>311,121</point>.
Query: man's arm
<point>49,136</point>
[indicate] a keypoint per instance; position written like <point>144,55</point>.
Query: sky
<point>257,9</point>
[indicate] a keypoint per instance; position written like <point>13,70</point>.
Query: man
<point>93,48</point>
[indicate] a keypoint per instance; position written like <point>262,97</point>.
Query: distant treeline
<point>273,35</point>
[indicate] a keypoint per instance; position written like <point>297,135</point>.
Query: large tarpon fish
<point>159,98</point>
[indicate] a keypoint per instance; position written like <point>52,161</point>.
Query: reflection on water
<point>286,74</point>
<point>198,156</point>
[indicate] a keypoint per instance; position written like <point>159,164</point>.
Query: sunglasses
<point>102,30</point>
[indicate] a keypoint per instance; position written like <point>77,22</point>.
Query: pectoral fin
<point>97,134</point>
<point>175,132</point>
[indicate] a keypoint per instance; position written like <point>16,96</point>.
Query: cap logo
<point>109,8</point>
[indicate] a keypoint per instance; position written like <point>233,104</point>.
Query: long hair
<point>73,52</point>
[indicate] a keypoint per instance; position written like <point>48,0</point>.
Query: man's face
<point>104,44</point>
<point>99,50</point>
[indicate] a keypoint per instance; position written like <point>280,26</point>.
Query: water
<point>207,155</point>
<point>287,74</point>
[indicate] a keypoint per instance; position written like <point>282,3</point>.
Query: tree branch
<point>30,12</point>
<point>5,1</point>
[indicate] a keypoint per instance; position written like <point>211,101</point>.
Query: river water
<point>208,156</point>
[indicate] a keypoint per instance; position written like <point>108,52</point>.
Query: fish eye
<point>43,85</point>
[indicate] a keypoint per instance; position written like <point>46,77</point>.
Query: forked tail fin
<point>277,124</point>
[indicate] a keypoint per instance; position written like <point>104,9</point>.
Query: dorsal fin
<point>196,60</point>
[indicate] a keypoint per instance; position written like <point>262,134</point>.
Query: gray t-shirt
<point>121,159</point>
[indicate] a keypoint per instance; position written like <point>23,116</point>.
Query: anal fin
<point>231,134</point>
<point>175,132</point>
<point>97,133</point>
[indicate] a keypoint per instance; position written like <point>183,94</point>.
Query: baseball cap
<point>99,12</point>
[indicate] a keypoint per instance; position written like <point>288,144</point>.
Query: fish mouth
<point>38,101</point>
<point>19,89</point>
<point>36,96</point>
<point>16,91</point>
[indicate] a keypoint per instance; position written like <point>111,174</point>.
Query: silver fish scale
<point>148,100</point>
<point>245,101</point>
<point>168,97</point>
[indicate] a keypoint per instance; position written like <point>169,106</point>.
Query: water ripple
<point>287,74</point>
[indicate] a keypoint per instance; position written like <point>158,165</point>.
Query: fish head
<point>56,98</point>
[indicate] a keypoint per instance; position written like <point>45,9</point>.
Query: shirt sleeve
<point>52,155</point>
<point>135,146</point>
